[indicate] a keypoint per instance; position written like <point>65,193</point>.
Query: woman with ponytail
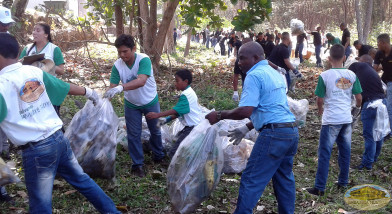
<point>43,44</point>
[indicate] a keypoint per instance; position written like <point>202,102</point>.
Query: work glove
<point>237,134</point>
<point>113,91</point>
<point>91,95</point>
<point>163,120</point>
<point>236,96</point>
<point>297,74</point>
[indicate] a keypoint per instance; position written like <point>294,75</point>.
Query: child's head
<point>9,47</point>
<point>336,54</point>
<point>183,79</point>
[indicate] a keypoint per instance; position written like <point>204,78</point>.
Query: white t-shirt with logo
<point>27,96</point>
<point>336,86</point>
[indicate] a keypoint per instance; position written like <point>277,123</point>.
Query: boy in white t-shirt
<point>334,90</point>
<point>187,109</point>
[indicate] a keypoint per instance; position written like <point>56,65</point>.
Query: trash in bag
<point>122,133</point>
<point>236,156</point>
<point>6,174</point>
<point>381,126</point>
<point>297,27</point>
<point>92,134</point>
<point>196,168</point>
<point>299,108</point>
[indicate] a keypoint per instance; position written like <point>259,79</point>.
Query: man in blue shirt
<point>264,101</point>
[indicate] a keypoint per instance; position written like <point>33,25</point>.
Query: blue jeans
<point>271,158</point>
<point>133,120</point>
<point>347,52</point>
<point>372,149</point>
<point>318,50</point>
<point>389,101</point>
<point>298,51</point>
<point>328,135</point>
<point>208,42</point>
<point>52,155</point>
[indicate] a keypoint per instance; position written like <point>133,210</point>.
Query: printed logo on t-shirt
<point>129,79</point>
<point>343,83</point>
<point>7,13</point>
<point>31,90</point>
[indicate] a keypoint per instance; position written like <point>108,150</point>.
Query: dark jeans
<point>329,134</point>
<point>133,120</point>
<point>318,50</point>
<point>271,158</point>
<point>372,148</point>
<point>43,159</point>
<point>298,51</point>
<point>223,49</point>
<point>180,137</point>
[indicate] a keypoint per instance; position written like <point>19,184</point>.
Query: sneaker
<point>315,191</point>
<point>138,171</point>
<point>362,167</point>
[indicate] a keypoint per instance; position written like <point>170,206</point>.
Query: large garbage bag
<point>297,27</point>
<point>299,108</point>
<point>6,174</point>
<point>196,168</point>
<point>381,126</point>
<point>236,156</point>
<point>92,134</point>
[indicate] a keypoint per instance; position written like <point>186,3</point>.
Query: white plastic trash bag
<point>297,27</point>
<point>300,109</point>
<point>195,169</point>
<point>381,126</point>
<point>236,156</point>
<point>92,134</point>
<point>6,174</point>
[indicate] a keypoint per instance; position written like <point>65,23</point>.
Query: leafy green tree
<point>255,13</point>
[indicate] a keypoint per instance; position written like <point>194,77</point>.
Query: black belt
<point>27,145</point>
<point>279,125</point>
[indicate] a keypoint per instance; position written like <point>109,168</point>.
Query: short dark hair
<point>384,38</point>
<point>356,42</point>
<point>260,34</point>
<point>126,40</point>
<point>337,52</point>
<point>285,35</point>
<point>185,74</point>
<point>270,36</point>
<point>9,47</point>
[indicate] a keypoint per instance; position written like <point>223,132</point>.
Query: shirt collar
<point>262,62</point>
<point>11,67</point>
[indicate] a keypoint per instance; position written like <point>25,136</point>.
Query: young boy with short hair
<point>187,109</point>
<point>334,89</point>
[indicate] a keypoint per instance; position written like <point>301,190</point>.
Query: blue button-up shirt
<point>265,90</point>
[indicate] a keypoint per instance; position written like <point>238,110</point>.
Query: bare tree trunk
<point>140,29</point>
<point>169,41</point>
<point>163,28</point>
<point>144,18</point>
<point>18,8</point>
<point>131,14</point>
<point>119,18</point>
<point>359,20</point>
<point>152,28</point>
<point>345,10</point>
<point>367,21</point>
<point>188,42</point>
